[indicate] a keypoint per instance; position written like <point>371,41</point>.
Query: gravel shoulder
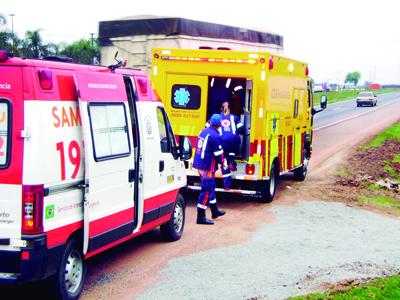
<point>309,245</point>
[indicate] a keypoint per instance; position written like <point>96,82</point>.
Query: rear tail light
<point>307,71</point>
<point>206,48</point>
<point>250,168</point>
<point>32,209</point>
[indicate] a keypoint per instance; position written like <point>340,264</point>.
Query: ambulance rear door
<point>110,168</point>
<point>11,153</point>
<point>186,103</point>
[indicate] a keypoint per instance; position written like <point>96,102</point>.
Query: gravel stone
<point>310,244</point>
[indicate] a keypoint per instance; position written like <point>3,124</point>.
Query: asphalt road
<point>339,111</point>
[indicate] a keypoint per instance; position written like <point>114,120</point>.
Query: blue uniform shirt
<point>230,127</point>
<point>208,150</point>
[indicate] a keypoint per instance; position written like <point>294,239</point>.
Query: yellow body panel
<point>277,99</point>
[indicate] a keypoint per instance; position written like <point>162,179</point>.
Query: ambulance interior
<point>238,92</point>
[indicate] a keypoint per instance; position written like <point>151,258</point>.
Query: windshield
<point>4,133</point>
<point>365,95</point>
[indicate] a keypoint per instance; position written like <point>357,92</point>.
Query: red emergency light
<point>142,85</point>
<point>45,79</point>
<point>271,63</point>
<point>307,71</point>
<point>3,55</point>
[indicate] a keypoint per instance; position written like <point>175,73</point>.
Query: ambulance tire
<point>72,265</point>
<point>268,187</point>
<point>300,173</point>
<point>173,229</point>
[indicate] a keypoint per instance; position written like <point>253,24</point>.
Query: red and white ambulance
<point>88,160</point>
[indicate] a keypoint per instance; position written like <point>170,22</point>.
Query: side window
<point>167,139</point>
<point>310,95</point>
<point>5,133</point>
<point>296,108</point>
<point>163,131</point>
<point>109,128</point>
<point>186,96</point>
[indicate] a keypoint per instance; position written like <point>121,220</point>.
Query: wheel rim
<point>178,217</point>
<point>272,182</point>
<point>73,271</point>
<point>305,166</point>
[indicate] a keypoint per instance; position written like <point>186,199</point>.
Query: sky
<point>333,37</point>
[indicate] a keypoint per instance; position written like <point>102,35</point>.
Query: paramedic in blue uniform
<point>230,130</point>
<point>208,155</point>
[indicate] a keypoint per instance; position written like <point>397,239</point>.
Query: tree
<point>352,77</point>
<point>32,45</point>
<point>8,40</point>
<point>82,51</point>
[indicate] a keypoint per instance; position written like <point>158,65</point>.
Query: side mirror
<point>185,148</point>
<point>324,101</point>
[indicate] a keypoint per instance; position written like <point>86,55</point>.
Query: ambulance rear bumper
<point>39,262</point>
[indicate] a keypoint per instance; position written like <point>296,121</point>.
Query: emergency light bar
<point>205,59</point>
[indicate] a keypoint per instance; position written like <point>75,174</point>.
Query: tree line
<point>86,51</point>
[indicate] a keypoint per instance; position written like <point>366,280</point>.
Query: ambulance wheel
<point>68,281</point>
<point>300,173</point>
<point>268,188</point>
<point>173,229</point>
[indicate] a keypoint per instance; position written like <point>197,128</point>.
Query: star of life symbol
<point>181,97</point>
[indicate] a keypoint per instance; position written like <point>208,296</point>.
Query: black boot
<point>215,212</point>
<point>201,217</point>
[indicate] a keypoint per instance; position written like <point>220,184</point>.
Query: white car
<point>366,98</point>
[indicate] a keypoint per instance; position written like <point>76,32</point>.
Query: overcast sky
<point>334,37</point>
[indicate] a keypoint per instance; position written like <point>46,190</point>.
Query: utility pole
<point>12,28</point>
<point>93,62</point>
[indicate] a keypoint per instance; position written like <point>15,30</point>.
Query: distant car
<point>366,98</point>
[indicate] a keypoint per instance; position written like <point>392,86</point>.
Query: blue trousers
<point>207,193</point>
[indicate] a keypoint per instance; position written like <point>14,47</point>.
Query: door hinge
<point>26,133</point>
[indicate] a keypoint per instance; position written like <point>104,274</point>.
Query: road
<point>248,253</point>
<point>190,268</point>
<point>339,111</point>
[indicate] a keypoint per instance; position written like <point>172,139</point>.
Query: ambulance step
<point>243,192</point>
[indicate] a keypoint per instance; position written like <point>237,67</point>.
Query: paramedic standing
<point>230,130</point>
<point>208,155</point>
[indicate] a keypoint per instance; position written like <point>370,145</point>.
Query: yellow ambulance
<point>271,94</point>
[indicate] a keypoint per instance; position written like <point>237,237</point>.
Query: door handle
<point>161,166</point>
<point>298,128</point>
<point>131,175</point>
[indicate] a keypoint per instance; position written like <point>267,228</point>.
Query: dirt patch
<point>361,176</point>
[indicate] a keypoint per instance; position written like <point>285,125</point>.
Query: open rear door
<point>109,159</point>
<point>186,99</point>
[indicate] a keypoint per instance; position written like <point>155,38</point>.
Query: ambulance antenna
<point>120,63</point>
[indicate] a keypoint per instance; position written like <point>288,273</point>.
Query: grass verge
<point>390,133</point>
<point>384,288</point>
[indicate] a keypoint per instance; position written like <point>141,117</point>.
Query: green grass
<point>381,202</point>
<point>385,288</point>
<point>341,173</point>
<point>390,133</point>
<point>346,95</point>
